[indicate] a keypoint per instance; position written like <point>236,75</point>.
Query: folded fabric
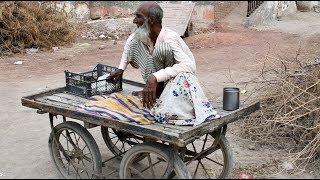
<point>119,107</point>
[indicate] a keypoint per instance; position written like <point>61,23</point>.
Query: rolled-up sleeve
<point>184,62</point>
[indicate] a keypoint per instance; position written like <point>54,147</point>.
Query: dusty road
<point>224,58</point>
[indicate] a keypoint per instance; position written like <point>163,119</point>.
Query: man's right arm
<point>124,58</point>
<point>115,75</point>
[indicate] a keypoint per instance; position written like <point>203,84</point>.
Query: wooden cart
<point>146,151</point>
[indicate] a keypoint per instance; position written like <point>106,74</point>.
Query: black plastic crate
<point>86,84</point>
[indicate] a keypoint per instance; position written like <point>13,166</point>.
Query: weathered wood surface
<point>59,102</point>
<point>177,16</point>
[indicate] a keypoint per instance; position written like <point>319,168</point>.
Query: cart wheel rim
<point>218,164</point>
<point>159,163</point>
<point>120,142</point>
<point>77,156</point>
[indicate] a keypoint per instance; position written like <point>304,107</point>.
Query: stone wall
<point>76,11</point>
<point>112,9</point>
<point>203,11</point>
<point>269,11</point>
<point>81,11</point>
<point>305,6</point>
<point>105,18</point>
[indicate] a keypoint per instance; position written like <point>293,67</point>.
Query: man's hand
<point>115,75</point>
<point>149,92</point>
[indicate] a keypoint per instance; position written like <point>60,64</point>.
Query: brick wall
<point>223,8</point>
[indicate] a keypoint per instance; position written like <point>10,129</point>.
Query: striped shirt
<point>182,54</point>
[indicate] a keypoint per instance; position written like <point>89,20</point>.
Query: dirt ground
<point>229,56</point>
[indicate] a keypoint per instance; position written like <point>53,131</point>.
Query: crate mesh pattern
<point>87,84</point>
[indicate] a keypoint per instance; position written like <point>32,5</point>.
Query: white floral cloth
<point>183,102</point>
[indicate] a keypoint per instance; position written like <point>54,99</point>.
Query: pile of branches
<point>289,117</point>
<point>32,25</point>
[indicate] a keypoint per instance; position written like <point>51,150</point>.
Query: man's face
<point>140,16</point>
<point>141,20</point>
<point>143,32</point>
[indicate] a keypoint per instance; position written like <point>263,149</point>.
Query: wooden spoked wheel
<point>74,151</point>
<point>120,142</point>
<point>207,158</point>
<point>160,162</point>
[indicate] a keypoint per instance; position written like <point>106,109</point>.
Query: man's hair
<point>157,12</point>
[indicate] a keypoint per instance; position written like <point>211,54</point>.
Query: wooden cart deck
<point>59,102</point>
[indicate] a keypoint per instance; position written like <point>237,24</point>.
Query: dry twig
<point>290,115</point>
<point>32,25</point>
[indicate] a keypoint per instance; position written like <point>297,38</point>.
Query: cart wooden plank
<point>59,102</point>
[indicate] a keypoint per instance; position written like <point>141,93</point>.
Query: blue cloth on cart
<point>119,107</point>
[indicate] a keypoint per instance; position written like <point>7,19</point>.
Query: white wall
<point>77,11</point>
<point>268,11</point>
<point>307,5</point>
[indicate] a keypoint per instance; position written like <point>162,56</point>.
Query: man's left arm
<point>183,63</point>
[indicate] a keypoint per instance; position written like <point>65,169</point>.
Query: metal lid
<point>231,89</point>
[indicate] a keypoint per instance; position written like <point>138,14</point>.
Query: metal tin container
<point>230,98</point>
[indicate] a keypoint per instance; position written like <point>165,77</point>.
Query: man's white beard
<point>143,33</point>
